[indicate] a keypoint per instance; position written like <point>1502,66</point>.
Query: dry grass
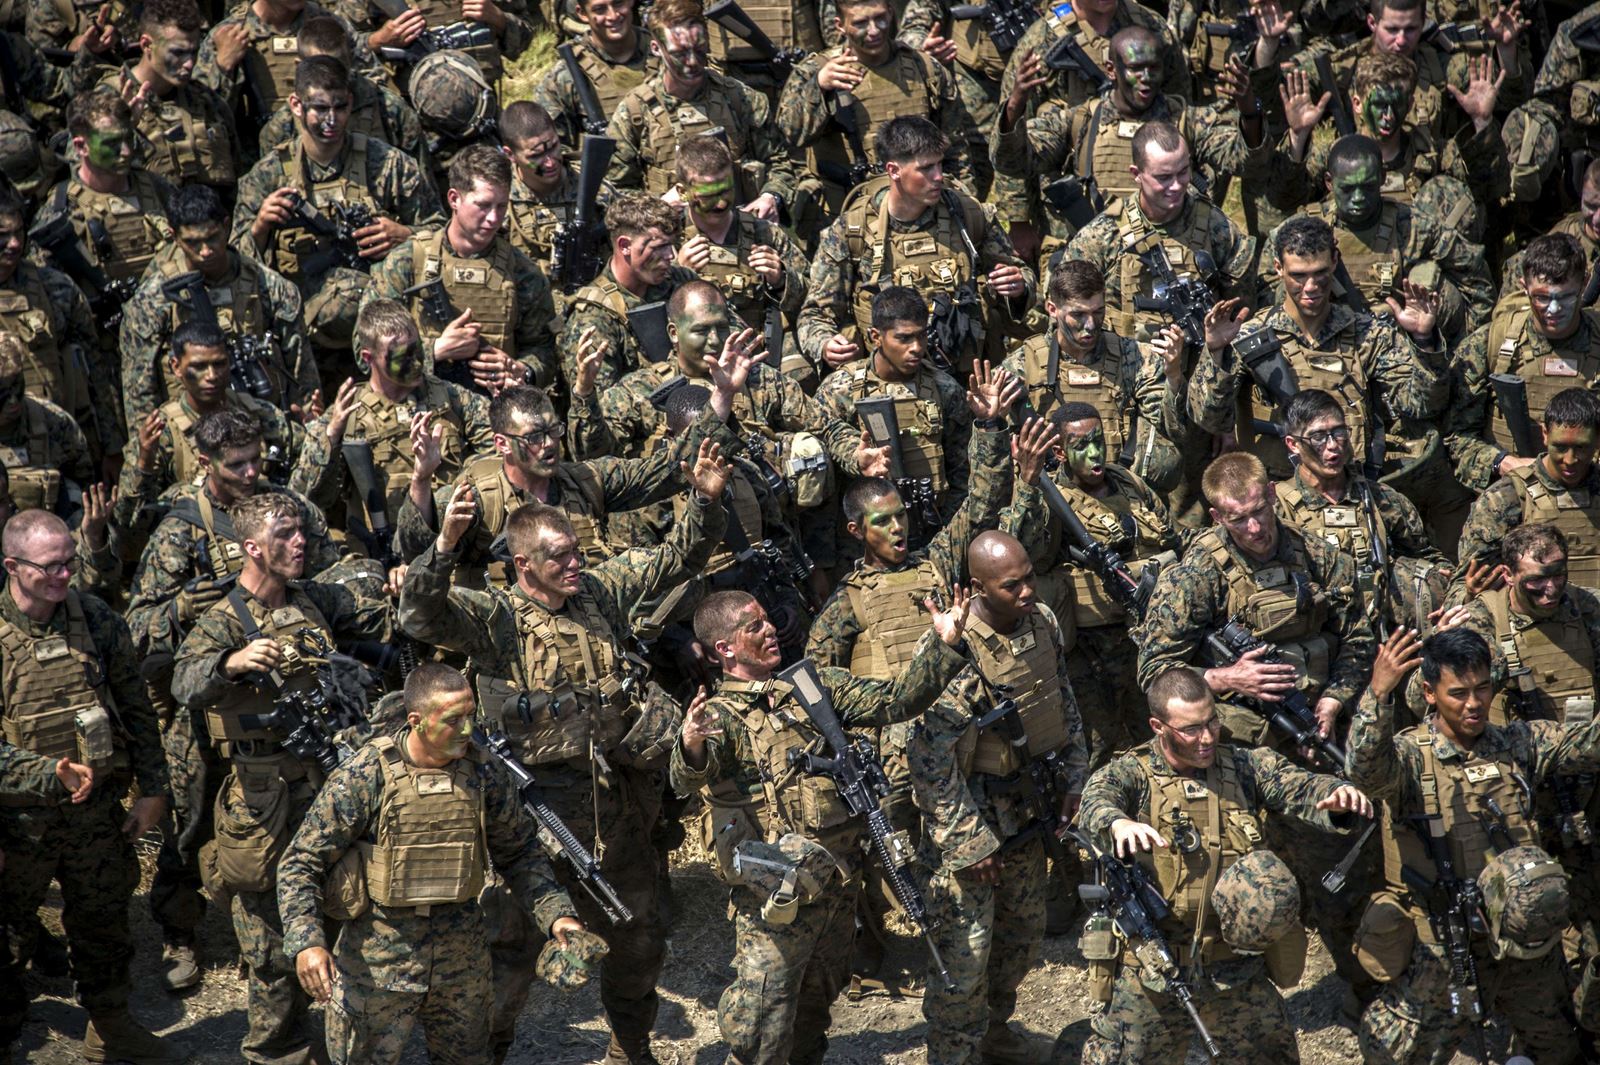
<point>524,72</point>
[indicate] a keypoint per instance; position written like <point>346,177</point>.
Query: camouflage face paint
<point>1086,454</point>
<point>1355,192</point>
<point>712,197</point>
<point>110,149</point>
<point>404,363</point>
<point>1384,110</point>
<point>702,330</point>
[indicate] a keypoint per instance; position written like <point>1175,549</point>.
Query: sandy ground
<point>567,1030</point>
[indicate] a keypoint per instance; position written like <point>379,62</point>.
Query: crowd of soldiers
<point>988,473</point>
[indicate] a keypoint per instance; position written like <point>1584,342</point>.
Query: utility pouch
<point>344,893</point>
<point>1384,938</point>
<point>252,822</point>
<point>723,826</point>
<point>1102,949</point>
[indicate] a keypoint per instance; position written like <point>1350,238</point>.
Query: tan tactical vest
<point>788,23</point>
<point>239,313</point>
<point>1550,660</point>
<point>181,147</point>
<point>1092,606</point>
<point>1574,511</point>
<point>1025,662</point>
<point>976,50</point>
<point>1135,235</point>
<point>25,309</point>
<point>730,270</point>
<point>1099,384</point>
<point>570,672</point>
<point>1344,525</point>
<point>916,408</point>
<point>669,122</point>
<point>1208,54</point>
<point>486,285</point>
<point>1371,255</point>
<point>1512,350</point>
<point>1455,795</point>
<point>223,554</point>
<point>299,669</point>
<point>35,478</point>
<point>582,498</point>
<point>442,13</point>
<point>57,702</point>
<point>1279,602</point>
<point>269,65</point>
<point>901,86</point>
<point>431,848</point>
<point>387,428</point>
<point>930,260</point>
<point>134,224</point>
<point>1418,162</point>
<point>1337,370</point>
<point>181,425</point>
<point>1113,142</point>
<point>613,81</point>
<point>745,508</point>
<point>888,607</point>
<point>531,225</point>
<point>1067,87</point>
<point>1211,810</point>
<point>792,801</point>
<point>291,246</point>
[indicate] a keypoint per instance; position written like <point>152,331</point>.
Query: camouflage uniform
<point>54,23</point>
<point>401,962</point>
<point>611,81</point>
<point>368,172</point>
<point>265,779</point>
<point>1238,1001</point>
<point>786,976</point>
<point>750,299</point>
<point>649,122</point>
<point>44,451</point>
<point>1528,495</point>
<point>251,301</point>
<point>516,643</point>
<point>971,788</point>
<point>1383,376</point>
<point>81,846</point>
<point>508,293</point>
<point>855,257</point>
<point>1412,1020</point>
<point>187,136</point>
<point>128,227</point>
<point>1565,102</point>
<point>1574,225</point>
<point>375,110</point>
<point>532,220</point>
<point>603,307</point>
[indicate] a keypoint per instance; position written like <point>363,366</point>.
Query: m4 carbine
<point>1005,20</point>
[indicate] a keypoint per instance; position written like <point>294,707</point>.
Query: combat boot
<point>1002,1045</point>
<point>615,1055</point>
<point>114,1035</point>
<point>180,966</point>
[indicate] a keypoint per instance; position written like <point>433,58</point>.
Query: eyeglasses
<point>1194,732</point>
<point>539,434</point>
<point>1320,438</point>
<point>49,569</point>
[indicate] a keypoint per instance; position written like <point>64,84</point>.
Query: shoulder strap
<point>241,610</point>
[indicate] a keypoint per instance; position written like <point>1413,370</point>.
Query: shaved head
<point>992,554</point>
<point>22,529</point>
<point>1002,574</point>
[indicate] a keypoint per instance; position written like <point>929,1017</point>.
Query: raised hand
<point>710,473</point>
<point>1031,448</point>
<point>1483,90</point>
<point>1347,798</point>
<point>1172,347</point>
<point>459,515</point>
<point>991,393</point>
<point>344,404</point>
<point>1420,312</point>
<point>591,350</point>
<point>939,46</point>
<point>951,624</point>
<point>98,499</point>
<point>427,445</point>
<point>1223,322</point>
<point>700,722</point>
<point>1397,656</point>
<point>1030,75</point>
<point>872,459</point>
<point>1300,112</point>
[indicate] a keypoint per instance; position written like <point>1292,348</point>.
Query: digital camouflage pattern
<point>1496,512</point>
<point>1257,901</point>
<point>622,355</point>
<point>375,110</point>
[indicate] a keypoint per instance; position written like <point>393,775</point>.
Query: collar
<point>13,614</point>
<point>1340,317</point>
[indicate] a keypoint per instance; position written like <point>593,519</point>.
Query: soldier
<point>1401,573</point>
<point>544,190</point>
<point>1384,369</point>
<point>423,781</point>
<point>933,420</point>
<point>329,171</point>
<point>44,453</point>
<point>789,961</point>
<point>381,411</point>
<point>376,110</point>
<point>875,77</point>
<point>186,131</point>
<point>1190,809</point>
<point>268,636</point>
<point>457,107</point>
<point>614,57</point>
<point>1095,136</point>
<point>1561,487</point>
<point>983,837</point>
<point>251,302</point>
<point>796,30</point>
<point>72,687</point>
<point>1583,223</point>
<point>1434,779</point>
<point>1142,400</point>
<point>524,467</point>
<point>1200,242</point>
<point>560,628</point>
<point>758,267</point>
<point>94,31</point>
<point>50,315</point>
<point>643,232</point>
<point>685,97</point>
<point>499,327</point>
<point>908,228</point>
<point>1562,115</point>
<point>509,22</point>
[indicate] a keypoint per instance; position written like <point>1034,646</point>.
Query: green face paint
<point>1086,456</point>
<point>1355,192</point>
<point>404,363</point>
<point>884,529</point>
<point>702,330</point>
<point>106,149</point>
<point>712,197</point>
<point>1384,110</point>
<point>1138,68</point>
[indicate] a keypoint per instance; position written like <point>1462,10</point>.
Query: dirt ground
<point>568,1030</point>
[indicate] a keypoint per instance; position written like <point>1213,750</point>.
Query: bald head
<point>1003,573</point>
<point>1133,40</point>
<point>992,554</point>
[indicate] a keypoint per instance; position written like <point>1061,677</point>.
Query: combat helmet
<point>786,874</point>
<point>24,161</point>
<point>452,96</point>
<point>1526,901</point>
<point>1257,901</point>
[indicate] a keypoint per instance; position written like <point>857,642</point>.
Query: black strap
<point>252,631</point>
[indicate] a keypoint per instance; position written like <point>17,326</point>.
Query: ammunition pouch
<point>344,892</point>
<point>1102,949</point>
<point>1585,108</point>
<point>252,826</point>
<point>1385,936</point>
<point>808,471</point>
<point>1286,957</point>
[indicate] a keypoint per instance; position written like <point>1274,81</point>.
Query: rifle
<point>733,18</point>
<point>303,729</point>
<point>594,113</point>
<point>1455,911</point>
<point>1511,397</point>
<point>553,832</point>
<point>458,36</point>
<point>1186,300</point>
<point>106,296</point>
<point>1075,198</point>
<point>861,167</point>
<point>1068,54</point>
<point>244,352</point>
<point>878,417</point>
<point>1004,20</point>
<point>1343,120</point>
<point>1123,891</point>
<point>1084,550</point>
<point>1292,715</point>
<point>577,252</point>
<point>434,300</point>
<point>648,323</point>
<point>1243,30</point>
<point>862,784</point>
<point>1451,37</point>
<point>375,532</point>
<point>338,233</point>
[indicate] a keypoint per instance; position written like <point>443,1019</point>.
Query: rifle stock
<point>594,113</point>
<point>1511,398</point>
<point>648,323</point>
